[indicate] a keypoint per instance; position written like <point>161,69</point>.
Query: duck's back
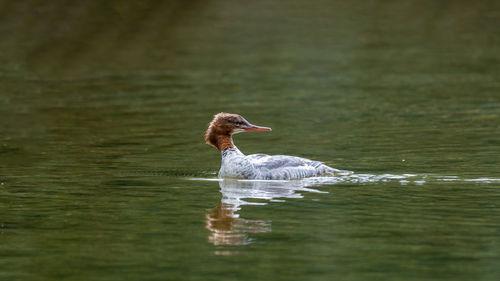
<point>287,167</point>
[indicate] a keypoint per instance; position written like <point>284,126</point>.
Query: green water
<point>104,174</point>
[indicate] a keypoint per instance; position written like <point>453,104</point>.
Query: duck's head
<point>226,124</point>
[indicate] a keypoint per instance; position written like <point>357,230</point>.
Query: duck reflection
<point>228,229</point>
<point>225,225</point>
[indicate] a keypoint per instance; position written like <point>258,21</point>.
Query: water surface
<point>104,174</point>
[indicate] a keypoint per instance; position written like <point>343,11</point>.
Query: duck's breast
<point>236,165</point>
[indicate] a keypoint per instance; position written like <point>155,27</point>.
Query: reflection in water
<point>227,228</point>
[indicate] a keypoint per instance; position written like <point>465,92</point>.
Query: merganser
<point>256,166</point>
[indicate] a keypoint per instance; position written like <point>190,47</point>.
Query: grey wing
<point>287,167</point>
<point>280,161</point>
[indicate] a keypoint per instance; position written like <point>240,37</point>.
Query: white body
<point>277,167</point>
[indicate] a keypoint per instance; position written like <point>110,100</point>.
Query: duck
<point>237,165</point>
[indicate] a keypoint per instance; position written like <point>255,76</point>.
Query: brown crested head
<point>219,131</point>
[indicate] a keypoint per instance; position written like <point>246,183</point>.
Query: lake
<point>104,173</point>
